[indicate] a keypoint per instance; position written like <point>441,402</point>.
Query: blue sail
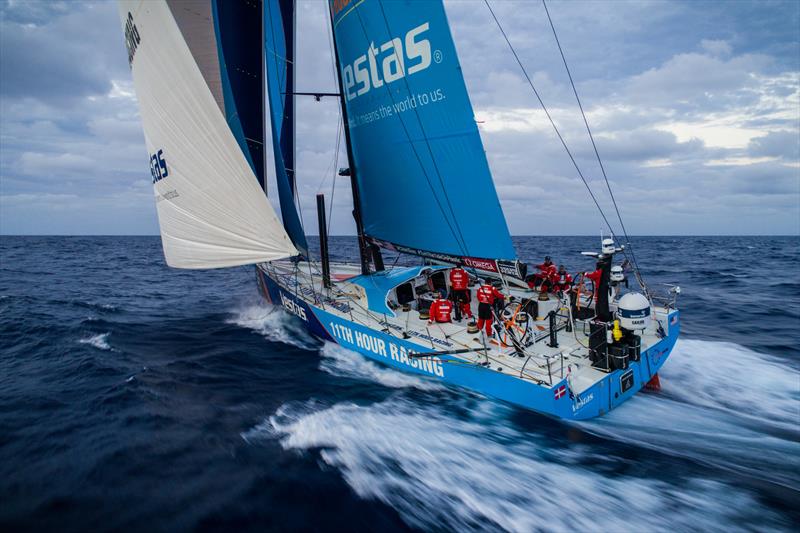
<point>237,28</point>
<point>420,165</point>
<point>279,25</point>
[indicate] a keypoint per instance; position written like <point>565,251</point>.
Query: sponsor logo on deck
<point>580,403</point>
<point>293,307</point>
<point>385,348</point>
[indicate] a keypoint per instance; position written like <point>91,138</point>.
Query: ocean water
<point>137,397</point>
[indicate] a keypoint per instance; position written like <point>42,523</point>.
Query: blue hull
<point>393,351</point>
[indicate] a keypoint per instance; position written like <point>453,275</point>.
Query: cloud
<point>49,50</point>
<point>716,47</point>
<point>784,144</point>
<point>695,109</point>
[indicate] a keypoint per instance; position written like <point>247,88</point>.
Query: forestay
<point>211,209</point>
<point>279,47</point>
<point>422,173</point>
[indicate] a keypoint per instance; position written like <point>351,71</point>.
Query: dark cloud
<point>782,144</point>
<point>59,52</point>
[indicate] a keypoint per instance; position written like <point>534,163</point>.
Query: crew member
<point>542,278</point>
<point>459,294</point>
<point>487,295</point>
<point>561,280</point>
<point>595,276</point>
<point>440,309</point>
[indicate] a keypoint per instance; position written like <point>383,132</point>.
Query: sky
<point>695,108</point>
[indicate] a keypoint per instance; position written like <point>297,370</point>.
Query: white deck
<point>541,363</point>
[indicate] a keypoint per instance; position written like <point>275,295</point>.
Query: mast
<point>264,161</point>
<point>362,242</point>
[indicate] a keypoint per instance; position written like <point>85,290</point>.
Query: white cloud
<point>698,120</point>
<point>716,47</point>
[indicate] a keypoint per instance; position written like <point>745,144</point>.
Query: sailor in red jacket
<point>561,280</point>
<point>459,293</point>
<point>595,277</point>
<point>542,279</point>
<point>440,309</point>
<point>487,294</point>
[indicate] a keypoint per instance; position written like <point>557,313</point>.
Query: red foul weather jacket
<point>546,269</point>
<point>459,279</point>
<point>595,277</point>
<point>561,282</point>
<point>487,294</point>
<point>440,310</point>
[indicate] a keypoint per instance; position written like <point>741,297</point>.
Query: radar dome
<point>633,311</point>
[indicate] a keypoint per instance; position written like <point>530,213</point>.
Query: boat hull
<point>392,350</point>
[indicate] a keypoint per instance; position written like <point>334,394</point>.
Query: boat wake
<point>477,473</point>
<point>443,464</point>
<point>274,324</point>
<point>342,362</point>
<point>722,405</point>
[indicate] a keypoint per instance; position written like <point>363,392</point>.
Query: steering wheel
<point>513,325</point>
<point>580,286</point>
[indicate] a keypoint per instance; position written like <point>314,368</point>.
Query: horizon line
<point>353,235</point>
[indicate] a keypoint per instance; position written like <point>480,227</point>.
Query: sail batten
<point>211,209</point>
<point>422,172</point>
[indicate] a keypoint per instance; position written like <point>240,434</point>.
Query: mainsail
<point>422,173</point>
<point>211,208</point>
<point>279,47</point>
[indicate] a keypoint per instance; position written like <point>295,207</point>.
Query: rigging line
<point>413,148</point>
<point>339,123</point>
<point>591,137</point>
<point>339,111</point>
<point>335,171</point>
<point>334,159</point>
<point>552,122</point>
<point>335,166</point>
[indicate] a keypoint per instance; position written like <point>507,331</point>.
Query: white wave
<point>98,341</point>
<point>721,404</point>
<point>733,378</point>
<point>475,474</point>
<point>342,362</point>
<point>275,324</point>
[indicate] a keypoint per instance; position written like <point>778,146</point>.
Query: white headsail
<point>211,209</point>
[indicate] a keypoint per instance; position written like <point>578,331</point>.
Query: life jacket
<point>487,294</point>
<point>561,281</point>
<point>459,279</point>
<point>440,310</point>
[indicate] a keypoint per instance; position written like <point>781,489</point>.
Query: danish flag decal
<point>561,391</point>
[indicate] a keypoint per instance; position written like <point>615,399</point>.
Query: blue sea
<point>138,397</point>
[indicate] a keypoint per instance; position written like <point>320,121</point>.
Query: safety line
<point>594,146</point>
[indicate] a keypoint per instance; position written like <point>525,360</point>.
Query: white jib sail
<point>211,210</point>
